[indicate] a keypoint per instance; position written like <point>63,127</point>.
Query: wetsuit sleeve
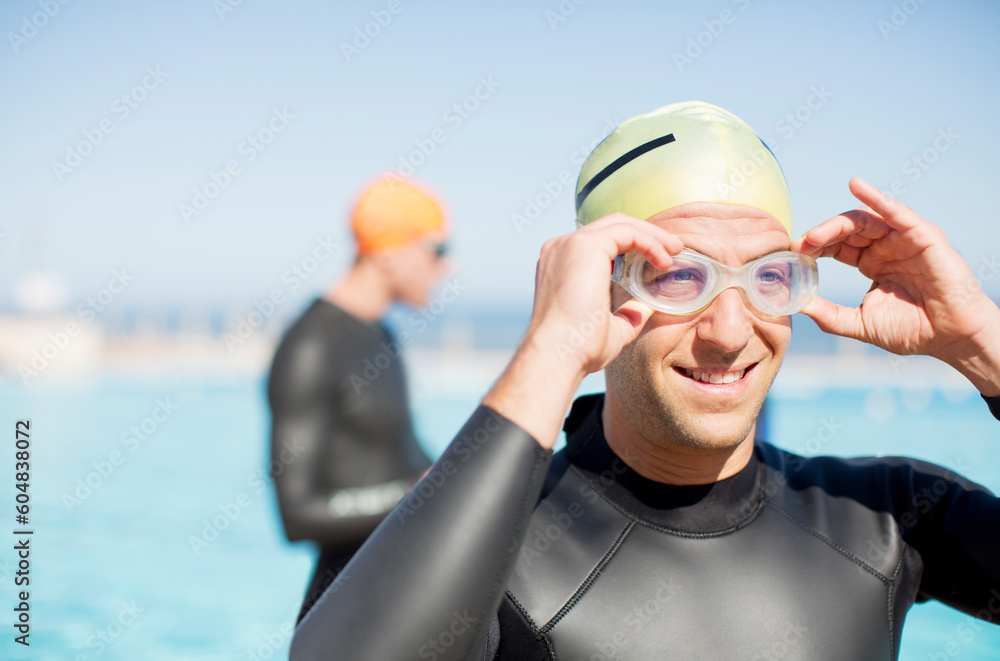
<point>994,404</point>
<point>428,582</point>
<point>954,524</point>
<point>304,421</point>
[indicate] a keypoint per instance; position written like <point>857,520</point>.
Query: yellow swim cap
<point>681,153</point>
<point>391,212</point>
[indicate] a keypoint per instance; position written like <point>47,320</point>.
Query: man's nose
<point>445,266</point>
<point>726,322</point>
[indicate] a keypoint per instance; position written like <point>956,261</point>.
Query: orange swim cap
<point>391,212</point>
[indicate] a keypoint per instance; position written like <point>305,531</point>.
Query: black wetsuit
<point>342,443</point>
<point>497,555</point>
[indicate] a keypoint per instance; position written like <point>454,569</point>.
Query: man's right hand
<point>572,331</point>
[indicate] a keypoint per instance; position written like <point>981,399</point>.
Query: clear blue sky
<point>556,87</point>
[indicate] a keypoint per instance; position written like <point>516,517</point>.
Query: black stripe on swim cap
<point>630,155</point>
<point>780,169</point>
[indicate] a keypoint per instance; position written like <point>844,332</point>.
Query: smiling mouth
<point>714,378</point>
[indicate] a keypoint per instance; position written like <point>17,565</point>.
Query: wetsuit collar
<point>701,509</point>
<point>364,326</point>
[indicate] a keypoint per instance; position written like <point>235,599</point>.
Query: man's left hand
<point>924,298</point>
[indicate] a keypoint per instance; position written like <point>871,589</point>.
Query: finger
<point>627,234</point>
<point>836,319</point>
<point>896,214</point>
<point>842,252</point>
<point>673,244</point>
<point>858,226</point>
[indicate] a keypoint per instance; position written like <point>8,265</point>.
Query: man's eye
<point>682,275</point>
<point>772,277</point>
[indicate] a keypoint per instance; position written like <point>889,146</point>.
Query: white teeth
<point>705,377</point>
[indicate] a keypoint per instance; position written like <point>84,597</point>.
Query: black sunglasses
<point>440,248</point>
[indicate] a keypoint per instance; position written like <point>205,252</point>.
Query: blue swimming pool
<point>157,537</point>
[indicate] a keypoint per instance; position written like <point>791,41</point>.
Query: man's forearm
<point>978,359</point>
<point>537,387</point>
<point>439,563</point>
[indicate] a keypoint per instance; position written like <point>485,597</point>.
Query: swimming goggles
<point>439,248</point>
<point>774,285</point>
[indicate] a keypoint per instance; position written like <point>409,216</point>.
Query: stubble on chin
<point>662,421</point>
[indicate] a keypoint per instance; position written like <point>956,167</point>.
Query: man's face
<point>414,269</point>
<point>657,382</point>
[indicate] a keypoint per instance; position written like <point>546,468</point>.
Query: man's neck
<point>672,463</point>
<point>364,292</point>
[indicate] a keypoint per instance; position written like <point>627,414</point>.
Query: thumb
<point>836,319</point>
<point>628,321</point>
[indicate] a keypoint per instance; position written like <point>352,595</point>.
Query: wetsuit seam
<point>831,543</point>
<point>892,600</point>
<point>524,613</point>
<point>531,625</point>
<point>672,531</point>
<point>540,455</point>
<point>591,577</point>
<point>549,648</point>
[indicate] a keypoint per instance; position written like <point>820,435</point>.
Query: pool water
<point>165,542</point>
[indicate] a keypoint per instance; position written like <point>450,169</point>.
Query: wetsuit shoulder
<point>952,523</point>
<point>342,442</point>
<point>313,350</point>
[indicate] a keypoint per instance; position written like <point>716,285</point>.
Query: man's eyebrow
<point>747,261</point>
<point>766,253</point>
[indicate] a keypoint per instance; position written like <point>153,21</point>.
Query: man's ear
<point>378,259</point>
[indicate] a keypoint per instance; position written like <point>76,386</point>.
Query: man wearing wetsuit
<point>342,439</point>
<point>663,530</point>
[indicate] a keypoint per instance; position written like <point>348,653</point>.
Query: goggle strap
<point>617,268</point>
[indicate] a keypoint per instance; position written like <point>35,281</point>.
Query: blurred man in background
<point>337,388</point>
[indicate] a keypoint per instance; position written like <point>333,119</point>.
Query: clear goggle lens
<point>774,285</point>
